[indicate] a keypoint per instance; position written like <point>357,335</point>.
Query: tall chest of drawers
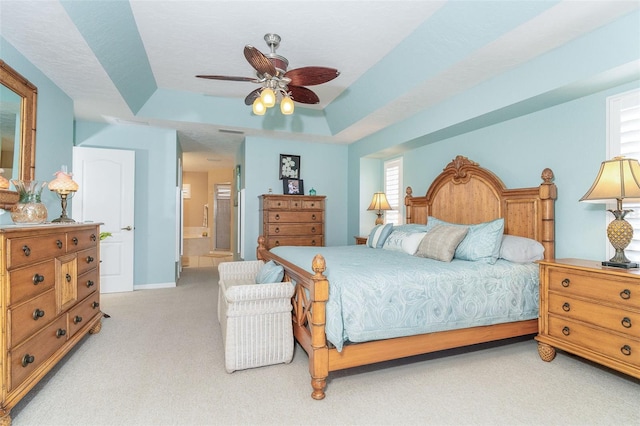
<point>50,298</point>
<point>292,220</point>
<point>590,311</point>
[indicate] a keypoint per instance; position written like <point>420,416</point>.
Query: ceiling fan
<point>274,79</point>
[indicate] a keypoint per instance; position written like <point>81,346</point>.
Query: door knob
<point>128,228</point>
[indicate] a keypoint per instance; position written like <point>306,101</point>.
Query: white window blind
<point>393,190</point>
<point>623,135</point>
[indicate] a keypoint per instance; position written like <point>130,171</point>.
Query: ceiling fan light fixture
<point>268,97</point>
<point>286,106</point>
<point>258,107</point>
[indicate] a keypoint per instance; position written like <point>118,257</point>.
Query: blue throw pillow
<point>378,235</point>
<point>270,272</point>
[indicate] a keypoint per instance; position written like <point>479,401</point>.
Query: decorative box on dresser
<point>50,297</point>
<point>591,311</point>
<point>292,220</point>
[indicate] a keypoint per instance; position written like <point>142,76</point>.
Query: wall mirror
<point>18,98</point>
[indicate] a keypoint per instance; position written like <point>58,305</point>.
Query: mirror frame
<point>29,93</point>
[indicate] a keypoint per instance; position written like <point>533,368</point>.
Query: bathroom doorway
<point>222,216</point>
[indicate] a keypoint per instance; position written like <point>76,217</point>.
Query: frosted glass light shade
<point>286,106</point>
<point>268,98</point>
<point>258,107</point>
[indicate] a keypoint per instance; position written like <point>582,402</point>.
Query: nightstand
<point>361,240</point>
<point>590,311</point>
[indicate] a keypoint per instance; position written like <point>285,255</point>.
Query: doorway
<point>222,216</point>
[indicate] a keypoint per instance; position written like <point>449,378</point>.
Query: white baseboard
<point>153,286</point>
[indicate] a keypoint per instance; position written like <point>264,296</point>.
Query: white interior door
<point>106,179</point>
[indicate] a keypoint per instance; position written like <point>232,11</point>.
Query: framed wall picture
<point>292,186</point>
<point>289,166</point>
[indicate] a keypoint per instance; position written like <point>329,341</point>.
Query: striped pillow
<point>378,235</point>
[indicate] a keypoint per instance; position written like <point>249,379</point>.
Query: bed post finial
<point>260,247</point>
<point>548,194</point>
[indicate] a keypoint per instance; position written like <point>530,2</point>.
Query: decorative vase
<point>312,191</point>
<point>29,209</point>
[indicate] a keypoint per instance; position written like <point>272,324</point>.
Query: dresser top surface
<point>46,226</point>
<point>589,264</point>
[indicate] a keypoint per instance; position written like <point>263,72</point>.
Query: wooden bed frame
<point>463,193</point>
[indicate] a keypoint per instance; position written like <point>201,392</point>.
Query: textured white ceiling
<point>185,38</point>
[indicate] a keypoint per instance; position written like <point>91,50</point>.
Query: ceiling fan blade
<point>309,76</point>
<point>226,77</point>
<point>261,63</point>
<point>303,95</point>
<point>252,96</point>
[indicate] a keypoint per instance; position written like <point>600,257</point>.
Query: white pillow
<point>402,241</point>
<point>520,249</point>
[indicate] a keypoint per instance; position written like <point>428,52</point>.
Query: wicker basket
<point>8,199</point>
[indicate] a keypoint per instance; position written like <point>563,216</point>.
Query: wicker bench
<point>255,318</point>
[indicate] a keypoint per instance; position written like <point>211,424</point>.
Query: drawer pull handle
<point>90,283</point>
<point>75,241</point>
<point>295,204</point>
<point>59,244</point>
<point>566,307</point>
<point>37,279</point>
<point>277,230</point>
<point>313,217</point>
<point>277,243</point>
<point>26,250</point>
<point>90,259</point>
<point>77,319</point>
<point>313,204</point>
<point>27,359</point>
<point>626,350</point>
<point>93,237</point>
<point>313,230</point>
<point>566,282</point>
<point>68,277</point>
<point>61,332</point>
<point>626,322</point>
<point>95,305</point>
<point>313,242</point>
<point>566,331</point>
<point>625,294</point>
<point>37,314</point>
<point>277,217</point>
<point>278,203</point>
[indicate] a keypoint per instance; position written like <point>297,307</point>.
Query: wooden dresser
<point>50,299</point>
<point>292,220</point>
<point>590,311</point>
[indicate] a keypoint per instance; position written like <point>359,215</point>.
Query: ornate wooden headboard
<point>466,193</point>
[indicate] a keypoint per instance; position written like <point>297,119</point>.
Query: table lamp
<point>64,187</point>
<point>379,203</point>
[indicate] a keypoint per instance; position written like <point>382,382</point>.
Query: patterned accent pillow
<point>406,242</point>
<point>378,235</point>
<point>482,242</point>
<point>441,241</point>
<point>270,272</point>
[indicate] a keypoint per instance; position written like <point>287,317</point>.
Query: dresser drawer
<point>26,358</point>
<point>313,204</point>
<point>295,217</point>
<point>296,241</point>
<point>81,314</point>
<point>27,282</point>
<point>31,316</point>
<point>619,347</point>
<point>88,283</point>
<point>81,239</point>
<point>24,251</point>
<point>276,204</point>
<point>87,259</point>
<point>308,229</point>
<point>603,287</point>
<point>615,319</point>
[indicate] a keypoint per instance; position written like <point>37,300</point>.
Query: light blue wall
<point>322,166</point>
<point>155,196</point>
<point>54,126</point>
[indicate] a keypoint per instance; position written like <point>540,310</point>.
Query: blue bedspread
<point>379,294</point>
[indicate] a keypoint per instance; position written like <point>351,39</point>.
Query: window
<point>393,190</point>
<point>623,136</point>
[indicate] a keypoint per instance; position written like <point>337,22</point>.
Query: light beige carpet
<point>158,361</point>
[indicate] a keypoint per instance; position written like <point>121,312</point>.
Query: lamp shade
<point>63,184</point>
<point>379,202</point>
<point>617,179</point>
